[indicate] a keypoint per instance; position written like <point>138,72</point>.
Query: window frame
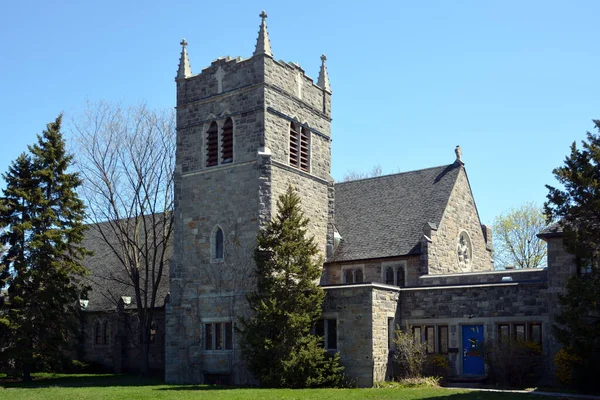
<point>105,332</point>
<point>327,324</point>
<point>214,242</point>
<point>222,328</point>
<point>300,137</point>
<point>395,266</point>
<point>222,142</point>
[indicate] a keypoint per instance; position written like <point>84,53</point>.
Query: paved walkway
<point>540,393</point>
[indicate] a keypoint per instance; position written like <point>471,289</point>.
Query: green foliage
<point>410,354</point>
<point>42,227</point>
<point>277,342</point>
<point>515,237</point>
<point>422,382</point>
<point>577,206</point>
<point>514,363</point>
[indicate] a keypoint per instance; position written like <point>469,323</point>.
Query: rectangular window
<point>331,334</point>
<point>535,333</point>
<point>218,336</point>
<point>443,339</point>
<point>519,331</point>
<point>503,331</point>
<point>327,330</point>
<point>417,333</point>
<point>391,333</point>
<point>208,336</point>
<point>430,339</point>
<point>228,336</point>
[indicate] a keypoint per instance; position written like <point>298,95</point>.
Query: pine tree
<point>277,343</point>
<point>42,221</point>
<point>577,206</point>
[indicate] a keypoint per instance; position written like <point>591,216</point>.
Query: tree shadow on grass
<point>79,380</point>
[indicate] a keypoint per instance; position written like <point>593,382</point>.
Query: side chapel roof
<point>384,216</point>
<point>108,279</point>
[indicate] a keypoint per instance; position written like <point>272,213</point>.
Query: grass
<point>84,386</point>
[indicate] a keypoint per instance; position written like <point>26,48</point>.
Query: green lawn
<point>63,387</point>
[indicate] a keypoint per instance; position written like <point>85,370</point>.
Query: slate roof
<point>553,230</point>
<point>384,216</point>
<point>108,278</point>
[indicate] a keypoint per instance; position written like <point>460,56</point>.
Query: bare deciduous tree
<point>126,158</point>
<point>354,176</point>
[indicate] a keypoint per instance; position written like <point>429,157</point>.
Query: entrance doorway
<point>472,343</point>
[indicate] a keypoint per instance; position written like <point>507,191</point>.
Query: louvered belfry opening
<point>299,147</point>
<point>227,142</point>
<point>212,145</point>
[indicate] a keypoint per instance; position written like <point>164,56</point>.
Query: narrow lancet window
<point>304,148</point>
<point>218,244</point>
<point>299,147</point>
<point>227,142</point>
<point>212,145</point>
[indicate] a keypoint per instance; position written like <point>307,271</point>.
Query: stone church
<point>405,250</point>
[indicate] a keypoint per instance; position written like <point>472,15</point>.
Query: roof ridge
<point>394,174</point>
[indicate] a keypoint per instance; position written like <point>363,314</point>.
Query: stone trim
<point>360,285</point>
<point>216,168</point>
<point>492,284</point>
<point>497,272</point>
<point>295,121</point>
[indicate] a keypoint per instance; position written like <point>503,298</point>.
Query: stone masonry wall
<point>352,307</point>
<point>372,270</point>
<point>534,274</point>
<point>460,215</point>
<point>385,305</point>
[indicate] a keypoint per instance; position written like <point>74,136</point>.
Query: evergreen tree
<point>277,343</point>
<point>42,221</point>
<point>577,206</point>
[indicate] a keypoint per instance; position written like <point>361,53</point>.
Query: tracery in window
<point>105,332</point>
<point>97,333</point>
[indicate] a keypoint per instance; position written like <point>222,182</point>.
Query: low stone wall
<point>536,274</point>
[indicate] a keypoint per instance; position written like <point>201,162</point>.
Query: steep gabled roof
<point>384,216</point>
<point>108,279</point>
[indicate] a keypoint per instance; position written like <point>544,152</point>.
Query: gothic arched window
<point>105,332</point>
<point>400,281</point>
<point>389,276</point>
<point>218,245</point>
<point>349,276</point>
<point>227,142</point>
<point>212,145</point>
<point>359,276</point>
<point>97,333</point>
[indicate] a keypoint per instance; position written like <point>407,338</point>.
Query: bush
<point>428,381</point>
<point>514,363</point>
<point>410,355</point>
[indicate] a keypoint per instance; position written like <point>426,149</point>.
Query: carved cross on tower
<point>263,15</point>
<point>219,76</point>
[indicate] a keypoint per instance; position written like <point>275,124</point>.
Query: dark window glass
<point>331,334</point>
<point>97,333</point>
<point>503,331</point>
<point>228,336</point>
<point>535,333</point>
<point>153,327</point>
<point>349,276</point>
<point>219,244</point>
<point>212,145</point>
<point>400,277</point>
<point>417,333</point>
<point>227,142</point>
<point>105,332</point>
<point>519,331</point>
<point>208,336</point>
<point>389,276</point>
<point>359,275</point>
<point>218,336</point>
<point>391,333</point>
<point>430,339</point>
<point>443,339</point>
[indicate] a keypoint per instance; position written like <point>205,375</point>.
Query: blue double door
<point>472,350</point>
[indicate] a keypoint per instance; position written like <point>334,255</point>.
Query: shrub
<point>514,362</point>
<point>427,381</point>
<point>410,354</point>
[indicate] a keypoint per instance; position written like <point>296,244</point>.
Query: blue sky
<point>513,82</point>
